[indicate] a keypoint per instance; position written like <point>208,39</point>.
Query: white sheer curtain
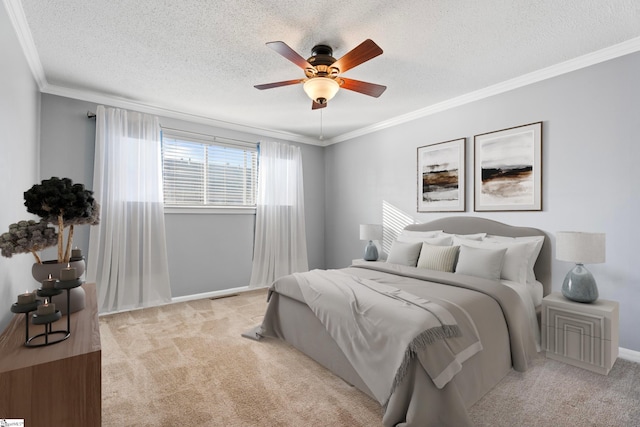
<point>127,252</point>
<point>280,238</point>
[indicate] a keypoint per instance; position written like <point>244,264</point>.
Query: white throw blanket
<point>380,329</point>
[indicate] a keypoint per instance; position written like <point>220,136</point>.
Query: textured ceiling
<point>203,57</point>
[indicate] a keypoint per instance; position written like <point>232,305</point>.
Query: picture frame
<point>508,169</point>
<point>441,176</point>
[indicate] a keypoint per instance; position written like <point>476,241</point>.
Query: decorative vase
<point>42,271</point>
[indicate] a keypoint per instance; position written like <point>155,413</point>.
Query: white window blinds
<point>208,171</point>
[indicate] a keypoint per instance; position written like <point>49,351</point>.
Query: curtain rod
<point>92,115</point>
<point>213,137</point>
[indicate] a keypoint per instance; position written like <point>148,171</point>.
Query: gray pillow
<point>478,262</point>
<point>404,253</point>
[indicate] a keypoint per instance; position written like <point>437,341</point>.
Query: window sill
<point>208,210</point>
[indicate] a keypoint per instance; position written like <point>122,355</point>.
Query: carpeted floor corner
<point>187,364</point>
<point>553,393</point>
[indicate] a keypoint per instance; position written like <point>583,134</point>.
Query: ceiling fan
<point>323,71</point>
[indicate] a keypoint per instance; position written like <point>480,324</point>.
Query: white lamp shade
<point>321,88</point>
<point>579,247</point>
<point>370,231</point>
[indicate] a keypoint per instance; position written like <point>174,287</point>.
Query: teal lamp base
<point>371,252</point>
<point>579,285</point>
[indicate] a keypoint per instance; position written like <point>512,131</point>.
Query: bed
<point>490,325</point>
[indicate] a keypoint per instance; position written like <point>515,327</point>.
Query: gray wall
<point>67,150</point>
<point>207,252</point>
<point>19,126</point>
<point>591,153</point>
<point>591,158</point>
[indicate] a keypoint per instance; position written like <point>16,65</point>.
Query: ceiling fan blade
<point>283,49</point>
<point>315,105</point>
<point>278,84</point>
<point>359,54</point>
<point>370,89</point>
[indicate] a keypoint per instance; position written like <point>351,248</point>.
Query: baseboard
<point>212,294</point>
<point>632,355</point>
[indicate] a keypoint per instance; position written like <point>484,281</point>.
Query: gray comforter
<point>416,401</point>
<point>381,328</point>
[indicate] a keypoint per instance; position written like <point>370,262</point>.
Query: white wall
<point>19,125</point>
<point>591,172</point>
<point>207,252</point>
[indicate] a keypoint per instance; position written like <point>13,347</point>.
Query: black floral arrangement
<point>56,201</point>
<point>28,236</point>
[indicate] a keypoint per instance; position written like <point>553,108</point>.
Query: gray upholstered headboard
<point>470,225</point>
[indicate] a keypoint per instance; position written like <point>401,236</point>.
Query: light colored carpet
<point>553,393</point>
<point>186,364</point>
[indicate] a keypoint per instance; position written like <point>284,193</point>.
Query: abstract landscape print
<point>441,177</point>
<point>508,174</point>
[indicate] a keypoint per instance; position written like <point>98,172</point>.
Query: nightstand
<point>583,335</point>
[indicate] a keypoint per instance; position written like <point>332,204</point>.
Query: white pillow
<point>438,241</point>
<point>478,262</point>
<point>404,253</point>
<point>539,241</point>
<point>420,234</point>
<point>457,238</point>
<point>516,259</point>
<point>441,258</point>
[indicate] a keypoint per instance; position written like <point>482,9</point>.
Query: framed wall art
<point>508,169</point>
<point>441,177</point>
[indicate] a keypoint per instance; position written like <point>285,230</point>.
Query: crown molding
<point>119,102</point>
<point>21,28</point>
<point>602,55</point>
<point>23,33</point>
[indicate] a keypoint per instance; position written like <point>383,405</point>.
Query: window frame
<point>206,139</point>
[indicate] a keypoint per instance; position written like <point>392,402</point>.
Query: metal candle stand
<point>68,285</point>
<point>47,319</point>
<point>26,309</point>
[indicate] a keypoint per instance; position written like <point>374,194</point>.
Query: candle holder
<point>46,320</point>
<point>26,309</point>
<point>48,292</point>
<point>67,285</point>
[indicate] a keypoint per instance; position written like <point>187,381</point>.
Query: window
<point>207,171</point>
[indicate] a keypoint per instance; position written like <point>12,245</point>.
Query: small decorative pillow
<point>441,258</point>
<point>478,262</point>
<point>404,253</point>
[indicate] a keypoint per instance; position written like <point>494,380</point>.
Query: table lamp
<point>581,248</point>
<point>370,232</point>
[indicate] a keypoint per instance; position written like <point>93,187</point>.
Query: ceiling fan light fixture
<point>321,89</point>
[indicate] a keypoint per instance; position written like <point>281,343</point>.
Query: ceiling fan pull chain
<point>321,133</point>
